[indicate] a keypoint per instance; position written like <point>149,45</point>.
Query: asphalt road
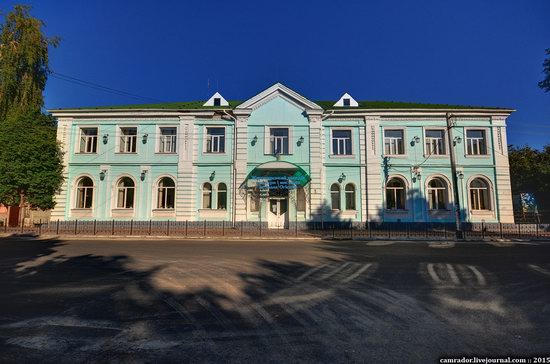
<point>271,301</point>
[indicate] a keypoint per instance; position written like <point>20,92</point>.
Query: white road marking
<point>480,279</point>
<point>357,273</point>
<point>311,271</point>
<point>452,273</point>
<point>339,269</point>
<point>536,268</point>
<point>433,274</point>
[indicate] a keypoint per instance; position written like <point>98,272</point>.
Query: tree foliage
<point>545,84</point>
<point>30,157</point>
<point>530,172</point>
<point>23,62</point>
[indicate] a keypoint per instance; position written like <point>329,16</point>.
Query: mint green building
<point>280,158</point>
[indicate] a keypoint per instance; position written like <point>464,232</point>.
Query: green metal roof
<point>327,105</point>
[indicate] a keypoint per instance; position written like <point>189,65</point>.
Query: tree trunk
<point>22,208</point>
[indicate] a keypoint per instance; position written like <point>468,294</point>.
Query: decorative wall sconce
<point>457,140</point>
<point>142,175</point>
<point>105,138</point>
<point>300,141</point>
<point>212,175</point>
<point>144,139</point>
<point>342,178</point>
<point>415,140</point>
<point>102,174</point>
<point>417,173</point>
<point>254,140</point>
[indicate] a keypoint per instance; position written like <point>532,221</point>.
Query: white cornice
<point>280,89</point>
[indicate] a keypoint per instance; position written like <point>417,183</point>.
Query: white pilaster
<point>363,175</point>
<point>186,187</point>
<point>374,188</point>
<point>240,163</point>
<point>502,169</point>
<point>317,156</point>
<point>63,137</point>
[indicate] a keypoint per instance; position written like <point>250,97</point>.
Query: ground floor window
<point>437,194</point>
<point>479,195</point>
<point>125,193</point>
<point>207,196</point>
<point>395,194</point>
<point>166,193</point>
<point>84,193</point>
<point>335,196</point>
<point>350,197</point>
<point>222,196</point>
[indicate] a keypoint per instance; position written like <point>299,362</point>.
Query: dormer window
<point>217,101</point>
<point>347,102</point>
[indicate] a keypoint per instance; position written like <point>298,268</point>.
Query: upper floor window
<point>84,193</point>
<point>166,193</point>
<point>476,142</point>
<point>395,194</point>
<point>88,140</point>
<point>217,101</point>
<point>222,196</point>
<point>215,140</point>
<point>335,196</point>
<point>128,140</point>
<point>167,141</point>
<point>346,102</point>
<point>341,142</point>
<point>437,194</point>
<point>279,140</point>
<point>125,193</point>
<point>479,195</point>
<point>394,142</point>
<point>435,142</point>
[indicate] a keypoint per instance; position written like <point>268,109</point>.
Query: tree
<point>30,161</point>
<point>30,157</point>
<point>23,62</point>
<point>530,172</point>
<point>545,84</point>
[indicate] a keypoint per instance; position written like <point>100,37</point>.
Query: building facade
<point>279,158</point>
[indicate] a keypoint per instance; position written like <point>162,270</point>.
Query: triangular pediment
<point>346,101</point>
<point>279,90</point>
<point>216,100</point>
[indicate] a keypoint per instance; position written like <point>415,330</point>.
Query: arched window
<point>479,195</point>
<point>395,194</point>
<point>84,193</point>
<point>125,193</point>
<point>335,196</point>
<point>207,196</point>
<point>350,197</point>
<point>166,193</point>
<point>300,199</point>
<point>437,194</point>
<point>222,196</point>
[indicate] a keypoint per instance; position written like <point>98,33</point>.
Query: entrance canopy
<point>277,175</point>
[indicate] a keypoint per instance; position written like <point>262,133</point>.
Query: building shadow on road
<point>352,304</point>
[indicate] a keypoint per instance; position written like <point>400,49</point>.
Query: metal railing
<point>328,230</point>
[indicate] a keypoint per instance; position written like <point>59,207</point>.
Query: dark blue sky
<point>486,53</point>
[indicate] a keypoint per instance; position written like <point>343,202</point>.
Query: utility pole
<point>454,177</point>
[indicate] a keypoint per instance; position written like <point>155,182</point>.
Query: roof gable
<point>217,95</point>
<point>279,90</point>
<point>346,101</point>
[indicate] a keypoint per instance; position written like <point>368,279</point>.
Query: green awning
<point>279,171</point>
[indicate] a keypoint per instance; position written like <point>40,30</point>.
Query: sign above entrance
<point>277,175</point>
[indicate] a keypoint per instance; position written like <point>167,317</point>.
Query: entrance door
<point>278,213</point>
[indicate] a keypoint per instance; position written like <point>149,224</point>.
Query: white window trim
<point>404,210</point>
<point>155,193</point>
<point>212,193</point>
<point>78,133</point>
<point>354,197</point>
<point>339,196</point>
<point>119,135</point>
<point>158,136</point>
<point>114,194</point>
<point>492,207</point>
<point>445,142</point>
<point>205,139</point>
<point>267,138</point>
<point>352,155</point>
<point>488,142</point>
<point>74,192</point>
<point>449,193</point>
<point>404,155</point>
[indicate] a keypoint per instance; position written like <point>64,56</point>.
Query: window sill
<point>395,155</point>
<point>477,155</point>
<point>214,153</point>
<point>163,153</point>
<point>82,213</point>
<point>344,156</point>
<point>436,156</point>
<point>131,153</point>
<point>84,153</point>
<point>164,210</point>
<point>397,212</point>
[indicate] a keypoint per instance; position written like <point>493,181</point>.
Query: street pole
<point>453,174</point>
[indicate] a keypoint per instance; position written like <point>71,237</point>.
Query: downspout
<point>234,197</point>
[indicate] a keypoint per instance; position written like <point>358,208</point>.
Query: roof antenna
<point>217,85</point>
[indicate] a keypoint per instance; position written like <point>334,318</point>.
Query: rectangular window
<point>300,199</point>
<point>393,142</point>
<point>435,142</point>
<point>341,142</point>
<point>88,140</point>
<point>476,142</point>
<point>215,140</point>
<point>279,140</point>
<point>347,102</point>
<point>217,101</point>
<point>128,140</point>
<point>167,142</point>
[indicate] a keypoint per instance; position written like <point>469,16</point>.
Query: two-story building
<point>279,158</point>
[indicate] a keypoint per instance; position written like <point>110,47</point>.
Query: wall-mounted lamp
<point>300,141</point>
<point>212,175</point>
<point>105,138</point>
<point>144,139</point>
<point>417,172</point>
<point>342,178</point>
<point>415,140</point>
<point>457,140</point>
<point>102,174</point>
<point>460,175</point>
<point>142,175</point>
